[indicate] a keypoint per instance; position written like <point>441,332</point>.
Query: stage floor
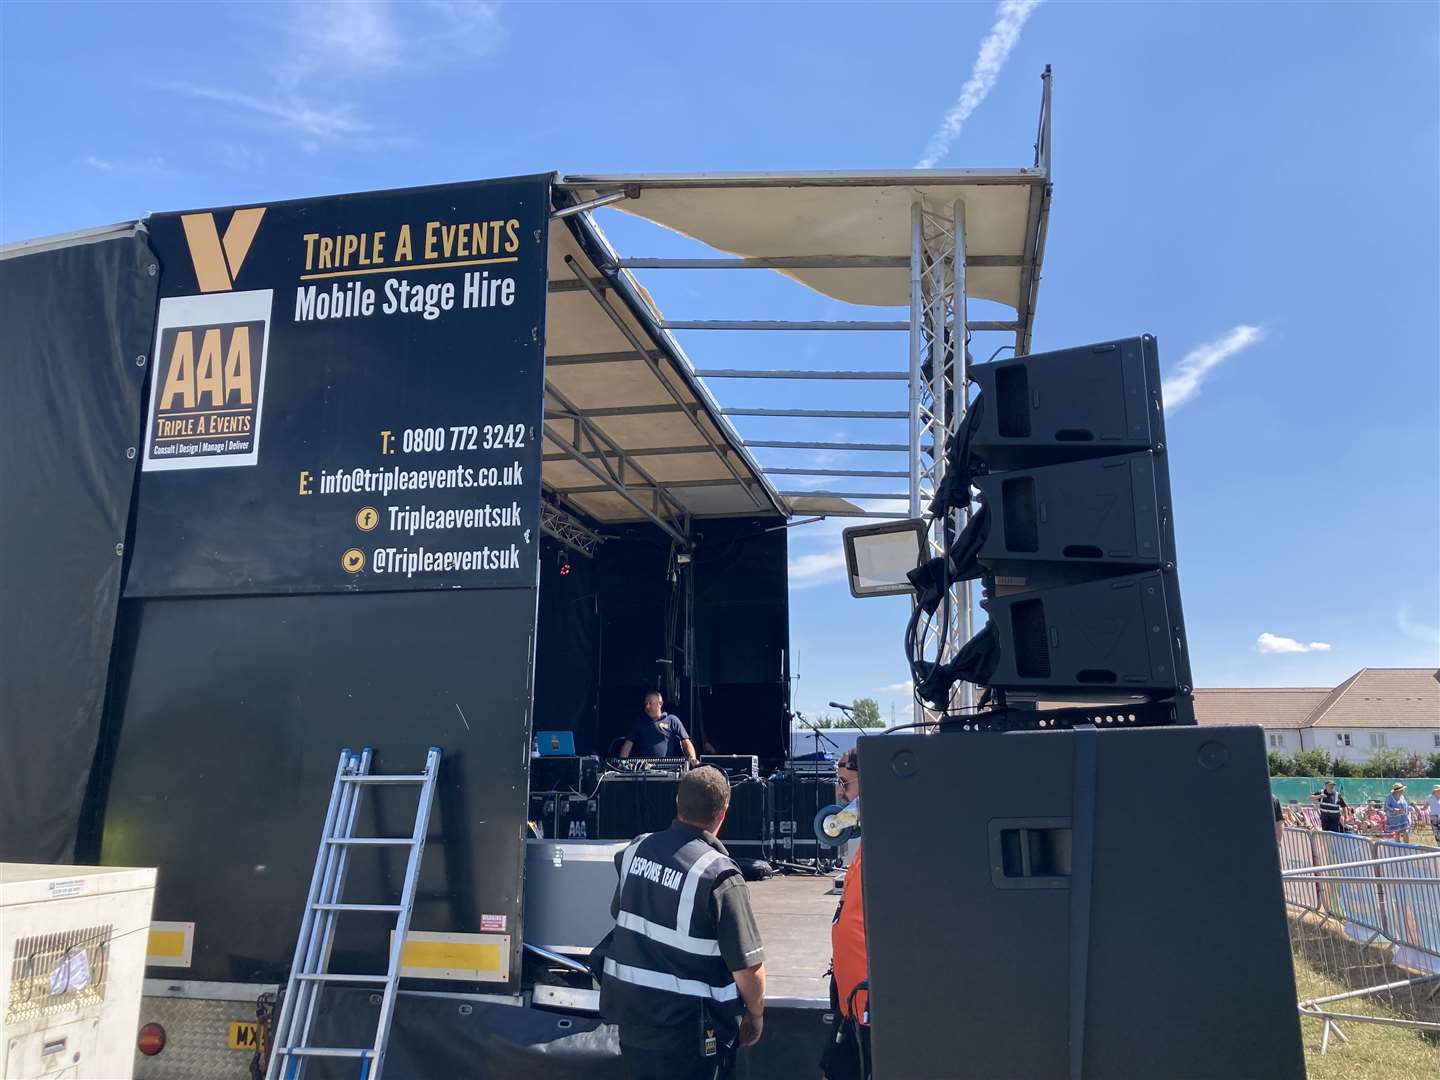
<point>794,913</point>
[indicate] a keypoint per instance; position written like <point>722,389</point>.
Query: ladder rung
<point>369,779</point>
<point>344,978</point>
<point>394,909</point>
<point>325,1051</point>
<point>372,841</point>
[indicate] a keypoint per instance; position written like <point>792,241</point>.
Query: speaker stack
<point>631,803</point>
<point>562,796</point>
<point>769,818</point>
<point>796,794</point>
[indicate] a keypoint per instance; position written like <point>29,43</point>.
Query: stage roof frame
<point>926,239</point>
<point>846,235</point>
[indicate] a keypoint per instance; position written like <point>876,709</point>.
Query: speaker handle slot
<point>1030,853</point>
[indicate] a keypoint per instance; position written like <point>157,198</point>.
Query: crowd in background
<point>1396,817</point>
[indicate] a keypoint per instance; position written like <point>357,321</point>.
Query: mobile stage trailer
<point>420,467</point>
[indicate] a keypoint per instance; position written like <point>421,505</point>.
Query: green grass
<point>1374,1052</point>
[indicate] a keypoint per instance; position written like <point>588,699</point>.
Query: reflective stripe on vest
<point>629,857</point>
<point>666,935</point>
<point>674,936</point>
<point>665,956</point>
<point>660,980</point>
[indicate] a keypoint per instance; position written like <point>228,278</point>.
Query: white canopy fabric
<point>766,215</point>
<point>816,216</point>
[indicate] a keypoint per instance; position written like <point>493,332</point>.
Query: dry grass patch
<point>1375,1051</point>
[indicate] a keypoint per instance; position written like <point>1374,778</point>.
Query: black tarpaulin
<point>440,1036</point>
<point>235,709</point>
<point>73,321</point>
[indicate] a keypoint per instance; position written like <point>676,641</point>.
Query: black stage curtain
<point>607,623</point>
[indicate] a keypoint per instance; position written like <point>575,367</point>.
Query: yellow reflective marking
<point>457,955</point>
<point>166,943</point>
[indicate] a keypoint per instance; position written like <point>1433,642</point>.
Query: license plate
<point>244,1036</point>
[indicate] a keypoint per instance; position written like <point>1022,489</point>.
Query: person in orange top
<point>847,1055</point>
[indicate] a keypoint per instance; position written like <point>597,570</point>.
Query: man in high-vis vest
<point>684,977</point>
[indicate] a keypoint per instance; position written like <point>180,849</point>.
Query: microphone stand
<point>817,735</point>
<point>849,715</point>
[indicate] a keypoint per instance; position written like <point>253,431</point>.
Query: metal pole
<point>961,377</point>
<point>917,256</point>
<point>284,1037</point>
<point>402,919</point>
<point>828,376</point>
<point>941,342</point>
<point>345,821</point>
<point>782,324</point>
<point>591,204</point>
<point>1364,863</point>
<point>580,459</point>
<point>644,354</point>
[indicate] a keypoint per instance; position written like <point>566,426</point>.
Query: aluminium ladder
<point>309,971</point>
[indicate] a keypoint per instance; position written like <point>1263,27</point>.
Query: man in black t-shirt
<point>657,734</point>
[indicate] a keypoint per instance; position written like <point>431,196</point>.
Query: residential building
<point>1398,708</point>
<point>1281,711</point>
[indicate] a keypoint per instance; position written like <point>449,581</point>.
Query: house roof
<point>1271,707</point>
<point>1371,698</point>
<point>1383,698</point>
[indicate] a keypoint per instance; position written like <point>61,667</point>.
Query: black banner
<point>345,394</point>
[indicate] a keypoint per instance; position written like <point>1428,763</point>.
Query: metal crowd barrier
<point>1381,895</point>
<point>1413,910</point>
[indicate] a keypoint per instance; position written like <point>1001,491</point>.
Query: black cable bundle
<point>932,579</point>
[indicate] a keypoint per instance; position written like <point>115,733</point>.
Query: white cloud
<point>344,38</point>
<point>340,37</point>
<point>237,157</point>
<point>906,687</point>
<point>292,115</point>
<point>1010,17</point>
<point>1421,632</point>
<point>473,26</point>
<point>1184,382</point>
<point>816,568</point>
<point>316,52</point>
<point>1274,643</point>
<point>154,165</point>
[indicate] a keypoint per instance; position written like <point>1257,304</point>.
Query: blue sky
<point>1254,184</point>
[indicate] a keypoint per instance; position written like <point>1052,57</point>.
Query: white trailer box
<point>72,964</point>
